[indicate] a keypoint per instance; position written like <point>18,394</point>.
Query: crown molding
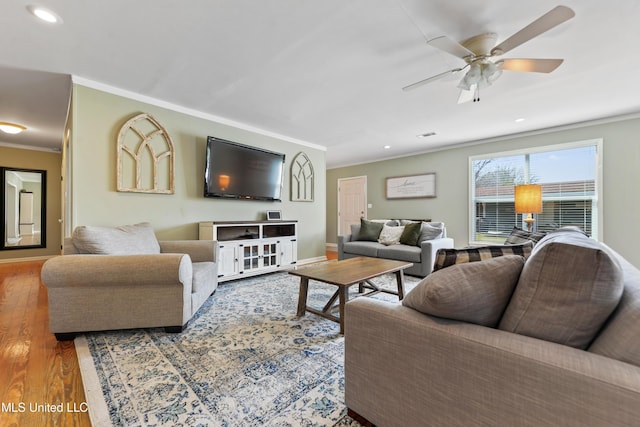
<point>188,111</point>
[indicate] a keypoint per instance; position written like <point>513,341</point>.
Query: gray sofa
<point>123,278</point>
<point>422,256</point>
<point>407,368</point>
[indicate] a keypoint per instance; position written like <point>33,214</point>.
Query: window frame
<point>597,225</point>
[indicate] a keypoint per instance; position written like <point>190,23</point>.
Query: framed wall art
<point>411,186</point>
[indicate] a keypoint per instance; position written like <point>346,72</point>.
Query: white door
<point>352,202</point>
<point>11,226</point>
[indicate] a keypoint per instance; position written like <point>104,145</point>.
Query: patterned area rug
<point>244,360</point>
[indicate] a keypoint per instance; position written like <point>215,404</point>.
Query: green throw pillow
<point>369,230</point>
<point>411,234</point>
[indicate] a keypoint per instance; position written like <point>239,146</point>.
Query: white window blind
<point>568,175</point>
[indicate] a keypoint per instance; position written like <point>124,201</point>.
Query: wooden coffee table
<point>343,274</point>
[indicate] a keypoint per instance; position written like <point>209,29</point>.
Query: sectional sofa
<point>550,341</point>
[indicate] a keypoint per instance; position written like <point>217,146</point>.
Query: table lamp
<point>528,200</point>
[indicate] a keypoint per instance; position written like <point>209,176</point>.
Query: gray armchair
<point>160,284</point>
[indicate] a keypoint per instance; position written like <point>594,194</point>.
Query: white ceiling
<point>330,72</point>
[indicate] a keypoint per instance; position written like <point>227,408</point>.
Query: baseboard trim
<point>331,247</point>
<point>311,260</point>
<point>25,259</point>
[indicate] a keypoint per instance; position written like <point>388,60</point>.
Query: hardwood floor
<point>40,382</point>
<point>38,375</point>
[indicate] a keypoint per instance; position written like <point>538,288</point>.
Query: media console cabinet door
<point>227,259</point>
<point>288,252</point>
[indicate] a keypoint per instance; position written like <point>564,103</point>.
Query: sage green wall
<point>621,173</point>
<point>97,119</point>
<point>51,162</point>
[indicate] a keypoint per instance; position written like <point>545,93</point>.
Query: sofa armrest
<point>198,250</point>
<point>406,368</point>
<point>429,249</point>
<point>95,271</point>
<point>342,239</point>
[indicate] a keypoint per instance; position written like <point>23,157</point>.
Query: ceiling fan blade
<point>452,47</point>
<point>466,95</point>
<point>549,20</point>
<point>530,65</point>
<point>430,79</point>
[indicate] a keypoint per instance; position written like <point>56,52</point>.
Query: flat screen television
<point>238,171</point>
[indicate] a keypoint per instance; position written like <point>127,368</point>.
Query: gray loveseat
<point>422,255</point>
<point>407,368</point>
<point>123,278</point>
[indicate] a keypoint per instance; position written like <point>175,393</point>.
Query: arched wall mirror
<point>24,208</point>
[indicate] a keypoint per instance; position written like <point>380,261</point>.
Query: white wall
<point>97,119</point>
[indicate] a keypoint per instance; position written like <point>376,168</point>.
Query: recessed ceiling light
<point>520,120</point>
<point>45,14</point>
<point>426,135</point>
<point>386,147</point>
<point>11,128</point>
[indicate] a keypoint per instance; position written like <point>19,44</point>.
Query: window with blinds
<point>568,173</point>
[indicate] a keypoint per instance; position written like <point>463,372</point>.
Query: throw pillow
<point>369,230</point>
<point>518,236</point>
<point>567,290</point>
<point>390,235</point>
<point>411,233</point>
<point>430,231</point>
<point>476,292</point>
<point>137,239</point>
<point>449,257</point>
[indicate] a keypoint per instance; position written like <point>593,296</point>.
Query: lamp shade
<point>528,198</point>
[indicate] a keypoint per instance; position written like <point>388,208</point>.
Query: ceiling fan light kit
<point>11,128</point>
<point>478,51</point>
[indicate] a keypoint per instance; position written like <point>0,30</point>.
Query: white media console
<point>248,248</point>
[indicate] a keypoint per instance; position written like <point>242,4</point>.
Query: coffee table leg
<point>302,298</point>
<point>344,296</point>
<point>400,280</point>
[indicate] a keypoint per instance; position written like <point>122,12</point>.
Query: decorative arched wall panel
<point>146,157</point>
<point>302,179</point>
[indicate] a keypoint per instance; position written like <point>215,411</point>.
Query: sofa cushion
<point>430,231</point>
<point>369,230</point>
<point>620,339</point>
<point>202,273</point>
<point>449,257</point>
<point>568,288</point>
<point>476,292</point>
<point>400,253</point>
<point>390,235</point>
<point>411,233</point>
<point>362,248</point>
<point>137,239</point>
<point>519,236</point>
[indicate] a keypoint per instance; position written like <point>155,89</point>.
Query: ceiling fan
<point>479,50</point>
